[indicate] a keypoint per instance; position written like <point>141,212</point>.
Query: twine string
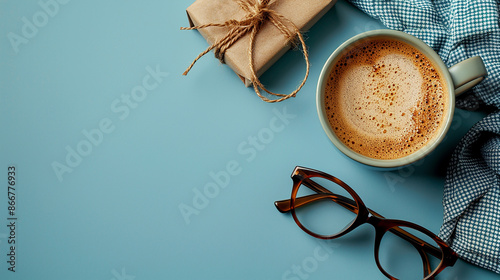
<point>258,12</point>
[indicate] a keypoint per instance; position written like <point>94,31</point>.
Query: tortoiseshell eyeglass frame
<point>302,176</point>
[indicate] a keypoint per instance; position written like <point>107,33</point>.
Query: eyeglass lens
<point>402,260</point>
<point>324,216</point>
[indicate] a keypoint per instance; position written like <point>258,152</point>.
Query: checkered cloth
<point>457,30</point>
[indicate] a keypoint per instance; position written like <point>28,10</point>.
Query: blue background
<point>115,213</point>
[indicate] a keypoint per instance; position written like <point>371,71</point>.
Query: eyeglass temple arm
<point>285,206</point>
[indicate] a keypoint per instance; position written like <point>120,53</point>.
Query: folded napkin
<point>457,30</point>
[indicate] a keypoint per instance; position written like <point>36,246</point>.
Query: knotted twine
<point>258,12</point>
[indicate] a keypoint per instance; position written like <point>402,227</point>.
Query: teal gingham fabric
<point>457,30</point>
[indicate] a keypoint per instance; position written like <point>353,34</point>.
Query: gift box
<point>270,41</point>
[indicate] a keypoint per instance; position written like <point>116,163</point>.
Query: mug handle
<point>467,74</point>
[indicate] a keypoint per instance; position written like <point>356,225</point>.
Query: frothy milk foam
<point>385,99</point>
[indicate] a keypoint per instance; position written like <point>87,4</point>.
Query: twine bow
<point>258,12</point>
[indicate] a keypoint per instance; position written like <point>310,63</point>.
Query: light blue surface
<point>114,213</point>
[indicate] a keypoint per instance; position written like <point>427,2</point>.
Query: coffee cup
<point>386,99</point>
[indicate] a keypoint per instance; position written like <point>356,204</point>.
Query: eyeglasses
<point>327,208</point>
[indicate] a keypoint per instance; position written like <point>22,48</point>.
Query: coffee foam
<point>385,99</point>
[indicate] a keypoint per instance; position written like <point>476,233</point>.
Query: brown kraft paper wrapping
<point>270,43</point>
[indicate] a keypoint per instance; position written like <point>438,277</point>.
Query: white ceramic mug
<point>458,78</point>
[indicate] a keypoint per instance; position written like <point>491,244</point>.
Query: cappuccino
<point>385,99</point>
